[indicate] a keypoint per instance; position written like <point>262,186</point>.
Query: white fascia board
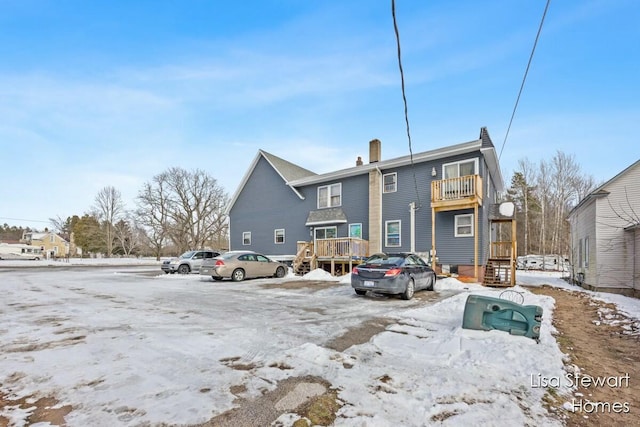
<point>453,150</point>
<point>246,176</point>
<point>492,161</point>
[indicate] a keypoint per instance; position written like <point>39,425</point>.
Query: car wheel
<point>408,293</point>
<point>184,269</point>
<point>280,272</point>
<point>433,282</point>
<point>360,292</point>
<point>237,275</point>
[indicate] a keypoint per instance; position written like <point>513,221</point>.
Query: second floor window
<point>279,236</point>
<point>390,181</point>
<point>330,196</point>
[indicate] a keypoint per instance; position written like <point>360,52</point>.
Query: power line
<point>404,98</point>
<point>23,219</point>
<point>525,77</point>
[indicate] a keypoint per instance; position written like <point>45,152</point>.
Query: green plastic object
<point>487,313</point>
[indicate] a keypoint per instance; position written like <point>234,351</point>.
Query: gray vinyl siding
<point>355,204</point>
<point>450,249</point>
<point>454,250</point>
<point>395,206</point>
<point>266,203</point>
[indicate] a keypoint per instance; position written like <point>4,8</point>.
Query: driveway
<point>129,346</point>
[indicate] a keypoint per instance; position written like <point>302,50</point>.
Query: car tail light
<point>354,271</point>
<point>219,263</point>
<point>393,272</point>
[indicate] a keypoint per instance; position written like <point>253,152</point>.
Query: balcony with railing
<point>456,193</point>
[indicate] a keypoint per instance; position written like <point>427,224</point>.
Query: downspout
<point>412,216</point>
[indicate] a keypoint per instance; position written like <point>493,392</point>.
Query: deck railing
<point>501,250</point>
<point>451,189</point>
<point>341,247</point>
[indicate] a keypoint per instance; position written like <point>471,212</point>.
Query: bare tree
<point>152,213</point>
<point>128,235</point>
<point>109,208</point>
<point>186,207</point>
<point>559,185</point>
<point>197,208</point>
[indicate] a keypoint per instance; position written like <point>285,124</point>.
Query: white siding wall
<point>616,247</point>
<point>583,228</point>
<point>636,260</point>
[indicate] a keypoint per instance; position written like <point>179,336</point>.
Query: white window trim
<point>585,259</point>
<point>246,233</point>
<point>475,166</point>
<point>329,227</point>
<point>275,236</point>
<point>456,225</point>
<point>386,233</point>
<point>328,187</point>
<point>395,182</point>
<point>354,224</point>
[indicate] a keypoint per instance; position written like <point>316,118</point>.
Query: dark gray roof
<point>326,216</point>
<point>286,169</point>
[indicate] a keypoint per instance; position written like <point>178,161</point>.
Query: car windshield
<point>385,260</point>
<point>187,254</point>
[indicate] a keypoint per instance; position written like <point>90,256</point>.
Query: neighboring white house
<point>605,235</point>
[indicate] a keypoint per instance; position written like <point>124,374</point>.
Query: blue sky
<point>111,93</point>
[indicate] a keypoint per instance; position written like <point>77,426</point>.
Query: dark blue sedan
<point>400,273</point>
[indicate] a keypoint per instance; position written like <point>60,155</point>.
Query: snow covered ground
<point>128,346</point>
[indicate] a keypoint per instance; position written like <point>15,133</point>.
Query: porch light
<point>433,171</point>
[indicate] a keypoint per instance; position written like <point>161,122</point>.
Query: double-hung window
<point>464,225</point>
<point>246,237</point>
<point>392,233</point>
<point>279,236</point>
<point>330,196</point>
<point>390,182</point>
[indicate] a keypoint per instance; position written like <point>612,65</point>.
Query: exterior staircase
<point>498,272</point>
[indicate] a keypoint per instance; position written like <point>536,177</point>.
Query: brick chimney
<point>375,150</point>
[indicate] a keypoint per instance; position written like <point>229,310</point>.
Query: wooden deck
<point>336,255</point>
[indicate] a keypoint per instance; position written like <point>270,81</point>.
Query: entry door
<point>320,233</point>
<point>454,188</point>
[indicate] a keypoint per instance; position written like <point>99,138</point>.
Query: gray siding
<point>450,249</point>
<point>395,206</point>
<point>265,204</point>
<point>355,204</point>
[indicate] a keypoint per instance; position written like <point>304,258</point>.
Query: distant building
<point>51,244</point>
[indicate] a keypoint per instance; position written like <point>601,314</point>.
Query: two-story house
<point>51,244</point>
<point>435,203</point>
<point>605,235</point>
